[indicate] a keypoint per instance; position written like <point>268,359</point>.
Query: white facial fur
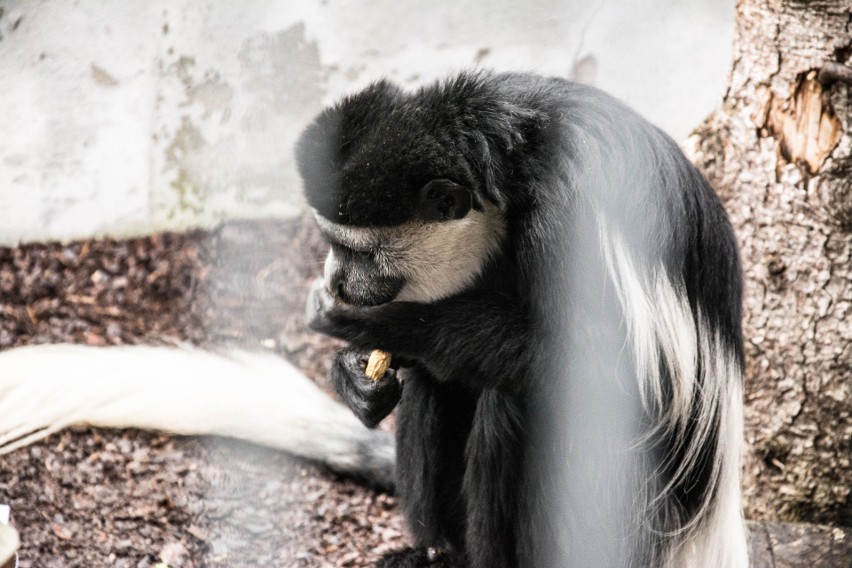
<point>436,259</point>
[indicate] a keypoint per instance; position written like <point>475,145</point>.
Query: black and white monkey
<point>562,290</point>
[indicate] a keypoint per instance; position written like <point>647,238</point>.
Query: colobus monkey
<point>561,288</point>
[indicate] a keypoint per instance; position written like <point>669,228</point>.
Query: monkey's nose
<point>337,288</point>
<point>340,292</point>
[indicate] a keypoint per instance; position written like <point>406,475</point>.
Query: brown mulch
<point>132,499</point>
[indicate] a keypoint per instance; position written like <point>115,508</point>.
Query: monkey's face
<point>437,253</point>
<point>390,180</point>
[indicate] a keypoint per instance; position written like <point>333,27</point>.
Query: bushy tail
<point>250,396</point>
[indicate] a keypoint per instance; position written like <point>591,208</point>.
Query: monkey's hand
<point>483,338</point>
<point>371,401</point>
<point>366,327</point>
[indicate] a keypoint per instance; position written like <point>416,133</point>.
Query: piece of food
<point>377,364</point>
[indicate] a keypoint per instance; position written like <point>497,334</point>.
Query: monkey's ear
<point>443,200</point>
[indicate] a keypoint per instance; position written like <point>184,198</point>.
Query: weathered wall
<point>122,117</point>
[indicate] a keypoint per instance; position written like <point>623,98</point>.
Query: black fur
<point>370,401</point>
<point>485,438</point>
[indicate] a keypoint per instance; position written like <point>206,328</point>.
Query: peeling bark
<point>804,124</point>
<point>778,152</point>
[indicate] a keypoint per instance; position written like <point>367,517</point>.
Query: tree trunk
<point>778,152</point>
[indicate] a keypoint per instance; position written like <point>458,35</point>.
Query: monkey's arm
<point>370,401</point>
<point>475,336</point>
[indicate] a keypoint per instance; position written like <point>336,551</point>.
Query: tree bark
<point>778,152</point>
<point>791,545</point>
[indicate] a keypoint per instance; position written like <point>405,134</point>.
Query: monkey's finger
<point>318,301</point>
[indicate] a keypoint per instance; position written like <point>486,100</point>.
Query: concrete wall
<point>122,117</point>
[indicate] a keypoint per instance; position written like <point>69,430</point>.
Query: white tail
<point>251,396</point>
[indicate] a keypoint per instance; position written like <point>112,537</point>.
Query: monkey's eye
<point>443,200</point>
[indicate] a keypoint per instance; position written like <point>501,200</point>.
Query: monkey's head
<point>394,190</point>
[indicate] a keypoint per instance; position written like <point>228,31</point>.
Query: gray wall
<point>123,117</point>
